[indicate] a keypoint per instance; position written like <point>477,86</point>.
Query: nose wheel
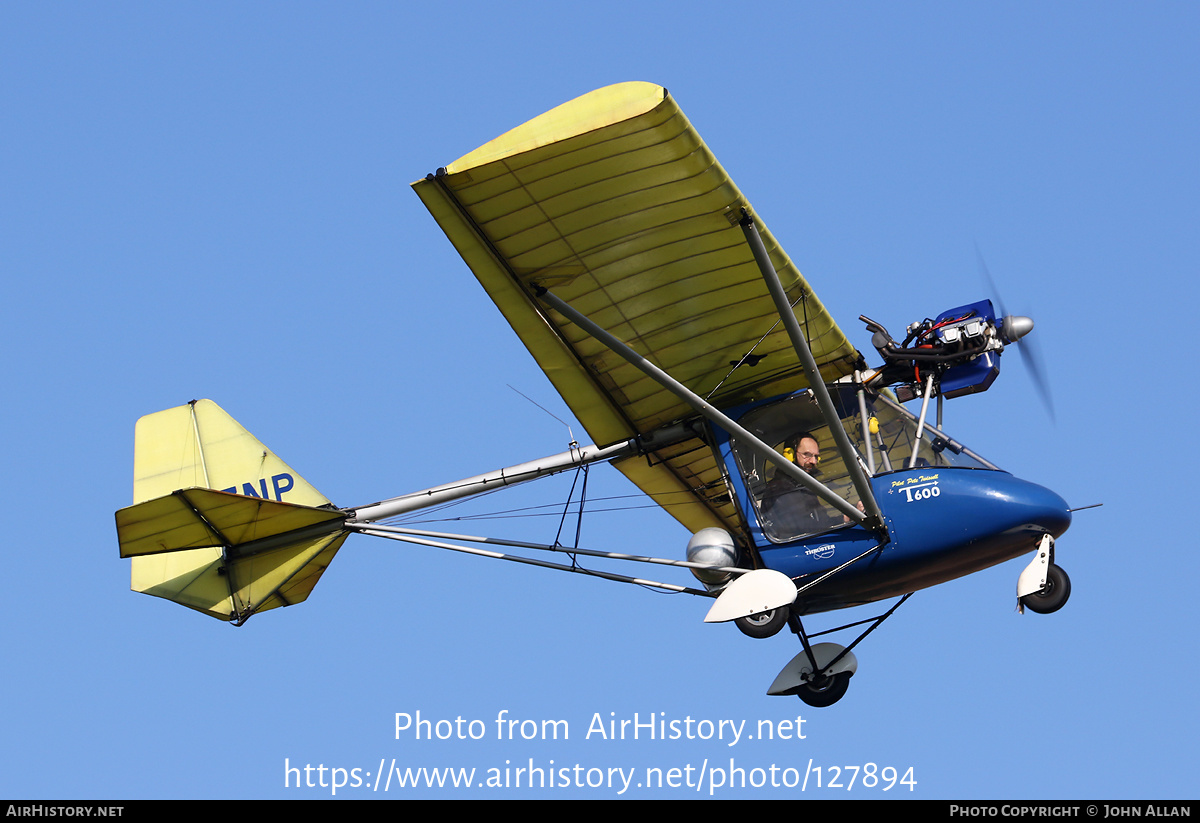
<point>1053,596</point>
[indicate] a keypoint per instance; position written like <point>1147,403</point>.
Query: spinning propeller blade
<point>1014,328</point>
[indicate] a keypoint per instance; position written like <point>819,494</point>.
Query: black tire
<point>826,691</point>
<point>1053,596</point>
<point>763,624</point>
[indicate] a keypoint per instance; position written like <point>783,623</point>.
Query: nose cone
<point>993,514</point>
<point>1035,509</point>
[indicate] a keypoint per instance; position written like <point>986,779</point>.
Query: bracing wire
<point>757,343</point>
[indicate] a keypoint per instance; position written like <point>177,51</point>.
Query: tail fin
<point>229,554</point>
<point>200,445</point>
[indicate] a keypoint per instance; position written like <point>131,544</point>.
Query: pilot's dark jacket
<point>792,509</point>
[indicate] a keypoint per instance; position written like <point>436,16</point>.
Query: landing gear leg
<point>820,674</point>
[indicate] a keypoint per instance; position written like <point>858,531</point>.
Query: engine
<point>961,348</point>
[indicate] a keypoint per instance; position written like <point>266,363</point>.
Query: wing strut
<point>698,403</point>
<point>874,519</point>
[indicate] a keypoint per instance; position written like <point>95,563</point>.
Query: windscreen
<point>795,427</point>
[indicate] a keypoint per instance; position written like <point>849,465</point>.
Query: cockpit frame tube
<point>849,454</point>
<point>916,446</point>
<point>866,423</point>
<point>938,433</point>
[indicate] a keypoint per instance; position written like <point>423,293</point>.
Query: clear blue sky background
<point>211,200</point>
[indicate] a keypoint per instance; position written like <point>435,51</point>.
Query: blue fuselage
<point>943,523</point>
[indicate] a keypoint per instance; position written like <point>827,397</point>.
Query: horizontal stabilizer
<point>203,518</point>
<point>227,555</point>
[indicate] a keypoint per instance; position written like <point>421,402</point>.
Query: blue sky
<point>211,200</point>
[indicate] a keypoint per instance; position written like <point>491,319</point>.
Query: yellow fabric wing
<point>614,203</point>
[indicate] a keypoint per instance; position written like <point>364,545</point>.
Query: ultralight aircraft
<point>699,360</point>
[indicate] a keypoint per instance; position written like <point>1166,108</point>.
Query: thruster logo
<point>822,552</point>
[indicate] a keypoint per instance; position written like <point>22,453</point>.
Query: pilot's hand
<point>861,508</point>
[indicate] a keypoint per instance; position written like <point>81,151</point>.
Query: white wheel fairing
<point>793,674</point>
<point>753,593</point>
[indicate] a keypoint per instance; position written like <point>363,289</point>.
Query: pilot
<point>792,508</point>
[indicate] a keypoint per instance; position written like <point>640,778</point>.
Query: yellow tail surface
<point>261,544</point>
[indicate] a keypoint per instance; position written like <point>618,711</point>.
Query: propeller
<point>1014,328</point>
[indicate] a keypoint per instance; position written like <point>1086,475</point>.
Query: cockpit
<point>884,434</point>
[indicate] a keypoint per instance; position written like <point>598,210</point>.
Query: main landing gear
<point>820,674</point>
<point>825,691</point>
<point>763,624</point>
<point>761,602</point>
